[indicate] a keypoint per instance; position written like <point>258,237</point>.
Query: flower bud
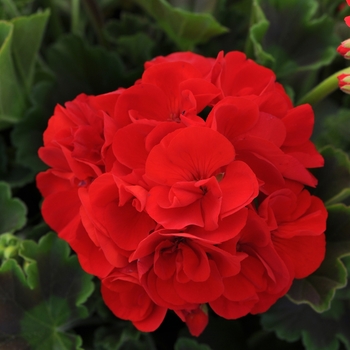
<point>344,82</point>
<point>347,20</point>
<point>10,252</point>
<point>9,246</point>
<point>344,48</point>
<point>197,320</point>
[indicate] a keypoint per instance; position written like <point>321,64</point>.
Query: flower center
<point>204,189</point>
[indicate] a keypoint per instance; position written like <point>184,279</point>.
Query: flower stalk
<point>323,89</point>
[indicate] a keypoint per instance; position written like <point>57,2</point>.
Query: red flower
<point>76,147</point>
<point>197,181</point>
<point>180,270</point>
<point>103,203</point>
<point>297,222</point>
<point>172,211</point>
<point>270,145</point>
<point>263,277</point>
<point>174,91</point>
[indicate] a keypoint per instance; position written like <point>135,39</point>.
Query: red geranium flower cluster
<point>176,211</point>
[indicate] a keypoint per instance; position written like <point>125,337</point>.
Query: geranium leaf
<point>334,178</point>
<point>26,135</point>
<point>27,36</point>
<point>286,37</point>
<point>195,5</point>
<point>131,36</point>
<point>20,40</point>
<point>318,289</point>
<point>79,68</point>
<point>185,28</point>
<point>12,210</point>
<point>12,99</point>
<point>335,129</point>
<point>318,331</point>
<point>38,305</point>
<point>136,47</point>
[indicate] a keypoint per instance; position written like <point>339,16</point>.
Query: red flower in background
<point>175,211</point>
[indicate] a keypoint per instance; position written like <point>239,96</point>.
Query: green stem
<point>75,17</point>
<point>323,89</point>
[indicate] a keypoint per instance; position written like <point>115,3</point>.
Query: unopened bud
<point>197,320</point>
<point>344,83</point>
<point>344,49</point>
<point>347,20</point>
<point>10,252</point>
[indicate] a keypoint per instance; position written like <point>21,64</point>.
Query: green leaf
<point>3,157</point>
<point>12,99</point>
<point>318,289</point>
<point>27,135</point>
<point>22,163</point>
<point>317,331</point>
<point>17,175</point>
<point>267,340</point>
<point>134,38</point>
<point>189,344</point>
<point>14,8</point>
<point>334,178</point>
<point>38,305</point>
<point>27,36</point>
<point>286,37</point>
<point>138,48</point>
<point>12,210</point>
<point>195,5</point>
<point>186,29</point>
<point>20,40</point>
<point>336,130</point>
<point>81,68</point>
<point>234,16</point>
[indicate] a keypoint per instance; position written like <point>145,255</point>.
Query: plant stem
<point>75,17</point>
<point>323,89</point>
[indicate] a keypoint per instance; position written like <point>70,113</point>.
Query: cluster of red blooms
<point>175,211</point>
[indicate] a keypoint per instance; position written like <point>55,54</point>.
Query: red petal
<point>306,253</point>
<point>233,117</point>
<point>239,187</point>
<point>299,123</point>
<point>201,292</point>
<point>188,154</point>
<point>151,104</point>
<point>129,145</point>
